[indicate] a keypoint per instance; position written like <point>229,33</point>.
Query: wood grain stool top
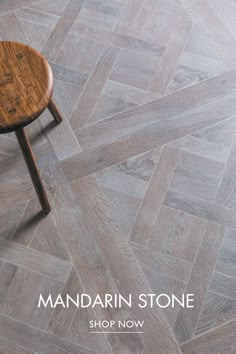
<point>26,85</point>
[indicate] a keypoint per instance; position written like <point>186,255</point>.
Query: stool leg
<point>33,169</point>
<point>54,111</point>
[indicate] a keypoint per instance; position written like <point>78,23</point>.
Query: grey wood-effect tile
<point>224,285</point>
<point>62,318</point>
<point>139,140</point>
<point>200,42</point>
<point>78,331</point>
<point>10,28</point>
<point>175,115</point>
<point>220,340</point>
<point>124,207</point>
<point>102,265</point>
<point>62,29</point>
<point>37,17</point>
<point>55,7</point>
<point>164,285</point>
<point>107,155</point>
<point>17,191</point>
<point>187,318</point>
<point>162,263</point>
<point>14,167</point>
<point>44,154</point>
<point>156,192</point>
<point>177,234</point>
<point>72,322</point>
<point>140,166</point>
<point>207,18</point>
<point>226,262</point>
<point>154,25</point>
<point>128,15</point>
<point>39,341</point>
<point>66,95</point>
<point>10,5</point>
<point>118,40</point>
<point>169,59</point>
<point>36,261</point>
<point>10,348</point>
<point>8,272</point>
<point>61,137</point>
<point>36,34</point>
<point>166,7</point>
<point>9,218</point>
<point>2,156</point>
<point>108,106</point>
<point>123,183</point>
<point>79,53</point>
<point>68,75</point>
<point>205,116</point>
<point>72,233</point>
<point>22,297</point>
<point>128,93</point>
<point>217,310</point>
<point>27,225</point>
<point>222,133</point>
<point>93,87</point>
<point>47,239</point>
<point>200,146</point>
<point>193,68</point>
<point>109,238</point>
<point>225,13</point>
<point>197,176</point>
<point>134,69</point>
<point>201,208</point>
<point>100,13</point>
<point>35,134</point>
<point>227,189</point>
<point>8,146</point>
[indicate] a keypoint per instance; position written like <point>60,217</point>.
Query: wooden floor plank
<point>159,262</point>
<point>8,272</point>
<point>208,19</point>
<point>226,262</point>
<point>94,87</point>
<point>73,322</point>
<point>11,348</point>
<point>118,40</point>
<point>169,59</point>
<point>37,340</point>
<point>226,192</point>
<point>187,318</point>
<point>163,109</point>
<point>129,13</point>
<point>177,234</point>
<point>89,198</point>
<point>149,210</point>
<point>22,297</point>
<point>62,28</point>
<point>36,261</point>
<point>202,209</point>
<point>217,311</point>
<point>220,340</point>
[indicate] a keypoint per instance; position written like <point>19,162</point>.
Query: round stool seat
<point>26,85</point>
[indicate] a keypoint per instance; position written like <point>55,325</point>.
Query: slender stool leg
<point>33,169</point>
<point>54,111</point>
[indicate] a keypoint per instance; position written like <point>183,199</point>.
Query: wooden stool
<point>26,86</point>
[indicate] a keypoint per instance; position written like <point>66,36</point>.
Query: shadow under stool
<point>26,87</point>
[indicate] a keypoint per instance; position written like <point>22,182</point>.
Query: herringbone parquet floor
<point>141,176</point>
